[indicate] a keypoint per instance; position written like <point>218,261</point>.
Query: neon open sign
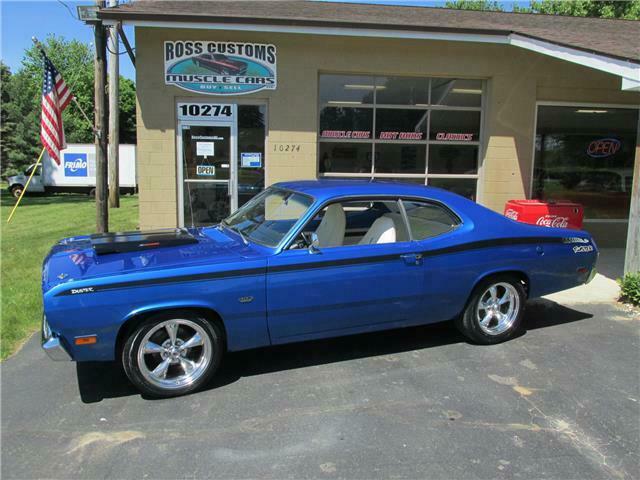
<point>603,147</point>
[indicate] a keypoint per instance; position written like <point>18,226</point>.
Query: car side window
<point>355,222</point>
<point>427,220</point>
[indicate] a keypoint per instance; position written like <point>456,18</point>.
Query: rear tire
<point>172,353</point>
<point>16,191</point>
<point>494,311</point>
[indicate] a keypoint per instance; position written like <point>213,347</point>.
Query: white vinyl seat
<point>331,229</point>
<point>383,230</point>
<point>402,234</point>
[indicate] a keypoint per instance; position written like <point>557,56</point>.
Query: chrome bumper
<point>51,344</point>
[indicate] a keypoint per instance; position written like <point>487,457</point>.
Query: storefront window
<point>345,157</point>
<point>453,159</point>
<point>401,128</point>
<point>456,93</point>
<point>251,154</point>
<point>349,89</point>
<point>397,158</point>
<point>397,124</point>
<point>402,91</point>
<point>454,126</point>
<point>340,122</point>
<point>462,186</point>
<point>586,155</point>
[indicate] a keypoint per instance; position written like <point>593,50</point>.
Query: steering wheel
<point>306,239</point>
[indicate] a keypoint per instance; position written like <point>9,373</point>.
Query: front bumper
<point>51,344</point>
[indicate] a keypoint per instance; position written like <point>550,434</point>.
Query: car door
<point>343,289</point>
<point>36,184</point>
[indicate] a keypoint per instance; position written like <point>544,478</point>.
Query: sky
<point>22,19</point>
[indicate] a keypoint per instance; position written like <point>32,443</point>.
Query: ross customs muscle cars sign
<point>220,68</point>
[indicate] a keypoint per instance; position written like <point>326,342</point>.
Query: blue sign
<point>75,164</point>
<point>220,68</point>
<point>251,160</point>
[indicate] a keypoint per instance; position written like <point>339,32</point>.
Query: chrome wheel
<point>498,308</point>
<point>174,353</point>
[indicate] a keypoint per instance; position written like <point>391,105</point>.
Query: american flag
<point>55,98</point>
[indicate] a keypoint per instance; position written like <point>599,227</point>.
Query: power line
<point>69,10</point>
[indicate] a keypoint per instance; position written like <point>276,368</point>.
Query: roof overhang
<point>627,70</point>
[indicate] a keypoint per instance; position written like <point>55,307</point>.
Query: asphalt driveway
<point>560,401</point>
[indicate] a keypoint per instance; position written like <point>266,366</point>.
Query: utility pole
<point>101,118</point>
<point>632,255</point>
<point>114,115</point>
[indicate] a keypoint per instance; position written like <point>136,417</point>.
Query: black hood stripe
<point>309,265</point>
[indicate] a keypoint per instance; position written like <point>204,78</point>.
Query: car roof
<point>326,189</point>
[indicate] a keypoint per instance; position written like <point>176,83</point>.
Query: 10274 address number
<point>286,147</point>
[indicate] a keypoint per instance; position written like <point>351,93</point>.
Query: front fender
<point>104,312</point>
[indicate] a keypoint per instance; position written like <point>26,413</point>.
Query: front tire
<point>16,191</point>
<point>173,353</point>
<point>494,312</point>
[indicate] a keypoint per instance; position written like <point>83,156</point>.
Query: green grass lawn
<point>37,224</point>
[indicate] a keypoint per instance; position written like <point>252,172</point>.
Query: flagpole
<point>33,170</point>
<point>73,97</point>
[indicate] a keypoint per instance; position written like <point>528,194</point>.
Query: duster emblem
<point>245,299</point>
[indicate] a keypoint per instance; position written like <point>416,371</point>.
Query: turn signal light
<point>88,340</point>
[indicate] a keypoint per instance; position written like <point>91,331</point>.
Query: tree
<point>628,10</point>
<point>7,125</point>
<point>622,9</point>
<point>490,5</point>
<point>74,61</point>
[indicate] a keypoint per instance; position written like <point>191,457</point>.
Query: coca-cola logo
<point>553,221</point>
<point>511,213</point>
<point>603,147</point>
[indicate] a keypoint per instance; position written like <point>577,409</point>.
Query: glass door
<point>208,170</point>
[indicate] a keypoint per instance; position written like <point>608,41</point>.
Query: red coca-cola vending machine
<point>560,214</point>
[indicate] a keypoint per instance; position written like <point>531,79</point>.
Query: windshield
<point>269,216</point>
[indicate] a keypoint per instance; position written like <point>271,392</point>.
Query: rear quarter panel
<point>488,244</point>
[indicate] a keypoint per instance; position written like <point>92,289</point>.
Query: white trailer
<point>76,172</point>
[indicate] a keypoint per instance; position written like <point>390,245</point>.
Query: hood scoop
<point>108,243</point>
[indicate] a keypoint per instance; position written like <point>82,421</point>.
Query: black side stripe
<point>311,265</point>
<point>163,281</point>
<point>427,253</point>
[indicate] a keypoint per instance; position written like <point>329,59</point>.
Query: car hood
<point>78,258</point>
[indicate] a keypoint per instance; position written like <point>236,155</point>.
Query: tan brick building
<point>233,96</point>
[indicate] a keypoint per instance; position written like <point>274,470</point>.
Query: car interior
<point>374,222</point>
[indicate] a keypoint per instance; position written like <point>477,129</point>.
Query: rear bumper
<point>51,344</point>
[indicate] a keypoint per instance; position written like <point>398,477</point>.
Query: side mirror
<point>314,246</point>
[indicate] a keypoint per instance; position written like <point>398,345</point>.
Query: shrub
<point>630,288</point>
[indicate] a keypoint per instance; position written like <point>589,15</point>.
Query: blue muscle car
<point>300,261</point>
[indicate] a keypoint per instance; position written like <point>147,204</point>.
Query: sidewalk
<point>603,288</point>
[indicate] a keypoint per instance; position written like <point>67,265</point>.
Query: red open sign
<point>603,147</point>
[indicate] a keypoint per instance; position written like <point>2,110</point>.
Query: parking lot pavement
<point>560,401</point>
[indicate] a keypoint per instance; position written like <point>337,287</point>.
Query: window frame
<point>286,244</point>
<point>444,207</point>
<point>297,222</point>
<point>373,141</point>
